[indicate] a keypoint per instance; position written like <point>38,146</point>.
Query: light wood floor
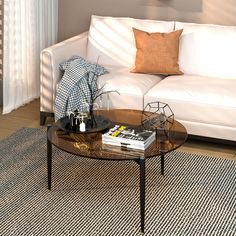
<point>28,116</point>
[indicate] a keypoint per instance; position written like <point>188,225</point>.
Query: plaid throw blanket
<point>73,89</point>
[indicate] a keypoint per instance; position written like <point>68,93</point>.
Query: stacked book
<point>129,137</point>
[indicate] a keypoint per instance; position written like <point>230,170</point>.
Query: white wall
<point>74,15</point>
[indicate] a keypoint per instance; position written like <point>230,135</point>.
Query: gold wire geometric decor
<point>157,115</point>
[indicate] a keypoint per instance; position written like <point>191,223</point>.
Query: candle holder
<point>78,120</point>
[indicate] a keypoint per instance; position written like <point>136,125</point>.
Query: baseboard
<point>212,140</point>
<point>1,92</point>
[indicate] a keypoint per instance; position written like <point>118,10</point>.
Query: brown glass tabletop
<point>90,145</point>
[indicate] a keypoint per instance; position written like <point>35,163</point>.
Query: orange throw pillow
<point>157,53</point>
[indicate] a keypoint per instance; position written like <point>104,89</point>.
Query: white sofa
<point>203,99</point>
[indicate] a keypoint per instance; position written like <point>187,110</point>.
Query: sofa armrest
<point>50,58</point>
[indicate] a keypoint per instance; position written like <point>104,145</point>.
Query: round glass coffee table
<point>89,145</point>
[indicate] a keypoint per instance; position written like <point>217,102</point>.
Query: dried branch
<point>112,91</point>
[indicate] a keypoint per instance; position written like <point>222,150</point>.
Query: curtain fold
<point>29,27</point>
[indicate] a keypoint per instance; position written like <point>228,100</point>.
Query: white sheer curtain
<point>29,26</point>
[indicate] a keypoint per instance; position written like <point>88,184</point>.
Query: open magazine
<point>128,136</point>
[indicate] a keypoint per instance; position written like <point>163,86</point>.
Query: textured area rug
<point>197,195</point>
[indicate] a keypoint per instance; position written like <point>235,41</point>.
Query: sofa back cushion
<point>111,39</point>
<point>208,50</point>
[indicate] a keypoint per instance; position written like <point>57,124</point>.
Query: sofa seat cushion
<point>131,86</point>
<point>198,99</point>
<point>112,39</point>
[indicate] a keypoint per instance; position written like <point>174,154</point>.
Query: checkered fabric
<point>73,90</point>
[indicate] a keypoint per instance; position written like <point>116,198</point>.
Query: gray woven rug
<point>197,195</point>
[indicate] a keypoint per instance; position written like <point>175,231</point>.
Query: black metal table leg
<point>162,163</point>
<point>142,192</point>
<point>49,159</point>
